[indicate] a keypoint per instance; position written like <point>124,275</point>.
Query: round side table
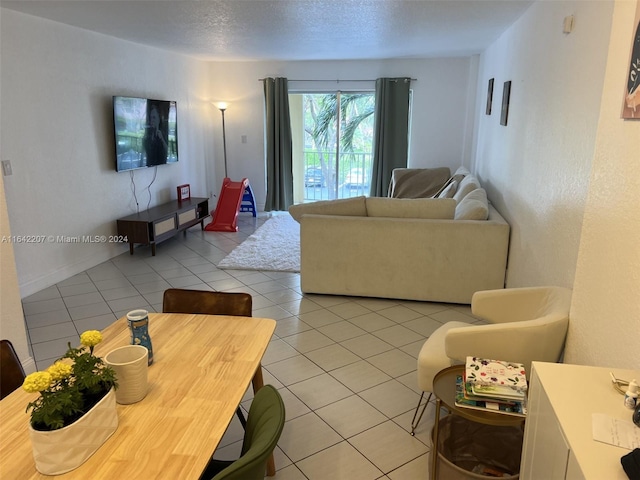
<point>444,389</point>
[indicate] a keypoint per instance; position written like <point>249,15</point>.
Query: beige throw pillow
<point>449,191</point>
<point>474,206</point>
<point>467,185</point>
<point>432,208</point>
<point>456,178</point>
<point>354,207</point>
<point>462,170</point>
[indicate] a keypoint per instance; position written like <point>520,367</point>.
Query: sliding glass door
<point>333,144</point>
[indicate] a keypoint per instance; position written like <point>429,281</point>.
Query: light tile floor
<point>345,366</point>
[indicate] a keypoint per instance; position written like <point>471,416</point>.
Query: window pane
<point>325,168</point>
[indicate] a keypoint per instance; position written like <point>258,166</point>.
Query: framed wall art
<point>489,96</point>
<point>506,93</point>
<point>631,100</point>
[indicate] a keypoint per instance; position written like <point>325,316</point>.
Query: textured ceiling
<point>291,29</point>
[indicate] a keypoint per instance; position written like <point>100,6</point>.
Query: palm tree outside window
<point>332,144</point>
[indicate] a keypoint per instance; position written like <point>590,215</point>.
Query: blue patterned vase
<point>139,326</point>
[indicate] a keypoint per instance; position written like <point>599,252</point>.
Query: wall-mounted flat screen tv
<point>146,132</point>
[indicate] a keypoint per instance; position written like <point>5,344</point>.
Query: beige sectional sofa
<point>433,249</point>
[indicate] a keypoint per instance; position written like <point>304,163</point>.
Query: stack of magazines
<point>493,385</point>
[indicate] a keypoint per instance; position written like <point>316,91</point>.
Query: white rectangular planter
<point>59,451</point>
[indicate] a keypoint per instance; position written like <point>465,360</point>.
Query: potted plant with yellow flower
<point>76,410</point>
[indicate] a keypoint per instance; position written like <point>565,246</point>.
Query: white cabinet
<point>558,440</point>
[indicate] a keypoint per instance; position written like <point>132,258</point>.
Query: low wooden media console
<point>163,222</point>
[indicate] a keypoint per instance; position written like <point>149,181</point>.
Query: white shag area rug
<point>274,246</point>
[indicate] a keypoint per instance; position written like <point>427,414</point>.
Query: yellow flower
<point>37,382</point>
<point>90,338</point>
<point>59,370</point>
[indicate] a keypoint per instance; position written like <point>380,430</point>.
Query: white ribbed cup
<point>131,366</point>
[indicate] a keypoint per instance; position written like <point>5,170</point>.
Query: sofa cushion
<point>474,206</point>
<point>348,206</point>
<point>462,170</point>
<point>433,208</point>
<point>448,191</point>
<point>467,185</point>
<point>455,178</point>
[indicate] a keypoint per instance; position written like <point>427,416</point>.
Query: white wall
<point>605,312</point>
<point>57,130</point>
<point>536,169</point>
<point>442,115</point>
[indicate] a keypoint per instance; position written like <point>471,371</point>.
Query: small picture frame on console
<point>184,192</point>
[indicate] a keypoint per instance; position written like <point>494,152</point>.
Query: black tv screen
<point>146,132</point>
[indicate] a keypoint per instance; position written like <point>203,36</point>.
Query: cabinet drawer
<point>164,226</point>
<point>186,217</point>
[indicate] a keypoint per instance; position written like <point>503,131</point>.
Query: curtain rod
<point>337,80</point>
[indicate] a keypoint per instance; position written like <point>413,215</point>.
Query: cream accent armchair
<point>526,324</point>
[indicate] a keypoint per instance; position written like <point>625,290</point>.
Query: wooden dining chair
<point>179,300</point>
<point>11,371</point>
<point>264,427</point>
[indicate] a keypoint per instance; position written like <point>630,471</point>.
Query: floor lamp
<point>222,106</point>
<point>235,197</point>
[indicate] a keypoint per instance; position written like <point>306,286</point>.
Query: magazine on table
<point>469,394</point>
<point>497,392</point>
<point>517,408</point>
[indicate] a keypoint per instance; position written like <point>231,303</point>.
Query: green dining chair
<point>264,426</point>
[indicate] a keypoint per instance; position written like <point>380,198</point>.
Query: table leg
<point>258,380</point>
<point>258,383</point>
<point>434,446</point>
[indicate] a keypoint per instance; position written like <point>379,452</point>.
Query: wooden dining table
<point>203,365</point>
